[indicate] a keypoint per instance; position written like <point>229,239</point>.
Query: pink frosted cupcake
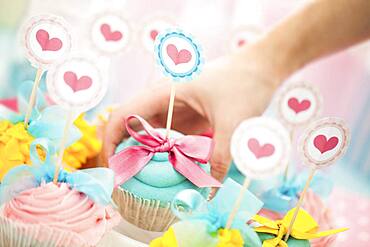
<point>54,215</point>
<point>316,207</point>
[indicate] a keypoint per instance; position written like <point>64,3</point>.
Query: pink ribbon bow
<point>182,153</point>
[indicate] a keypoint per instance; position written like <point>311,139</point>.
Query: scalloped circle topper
<point>76,83</point>
<point>260,147</point>
<point>152,29</point>
<point>243,36</point>
<point>46,39</point>
<point>178,54</point>
<point>324,142</point>
<point>110,33</point>
<point>299,103</point>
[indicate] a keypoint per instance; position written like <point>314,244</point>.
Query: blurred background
<point>220,26</point>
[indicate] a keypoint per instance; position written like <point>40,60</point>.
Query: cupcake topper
<point>152,29</point>
<point>260,147</point>
<point>298,104</point>
<point>109,33</point>
<point>324,142</point>
<point>149,33</point>
<point>243,36</point>
<point>46,39</point>
<point>180,58</point>
<point>78,85</point>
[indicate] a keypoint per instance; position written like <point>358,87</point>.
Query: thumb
<point>221,158</point>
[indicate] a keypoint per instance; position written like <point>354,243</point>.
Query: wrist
<point>275,57</point>
<point>272,60</point>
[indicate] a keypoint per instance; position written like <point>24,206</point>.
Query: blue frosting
<point>257,186</point>
<point>158,180</point>
<point>292,242</point>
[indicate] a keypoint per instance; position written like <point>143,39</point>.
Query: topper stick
<point>286,172</point>
<point>59,164</point>
<point>238,201</point>
<point>33,96</point>
<point>299,204</point>
<point>170,109</point>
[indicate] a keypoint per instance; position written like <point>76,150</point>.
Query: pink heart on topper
<point>324,145</point>
<point>47,44</point>
<point>184,56</point>
<point>108,34</point>
<point>241,42</point>
<point>153,34</point>
<point>260,151</point>
<point>83,83</point>
<point>297,106</point>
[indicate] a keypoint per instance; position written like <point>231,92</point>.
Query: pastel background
<point>343,79</point>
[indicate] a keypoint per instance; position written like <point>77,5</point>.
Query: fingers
<point>114,133</point>
<point>221,158</point>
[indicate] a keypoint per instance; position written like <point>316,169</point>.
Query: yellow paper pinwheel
<point>88,147</point>
<point>167,240</point>
<point>14,146</point>
<point>226,238</point>
<point>15,143</point>
<point>304,228</point>
<point>230,238</point>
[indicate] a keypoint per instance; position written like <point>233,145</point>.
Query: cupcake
<point>305,228</point>
<point>75,211</point>
<point>150,170</point>
<point>314,205</point>
<point>317,208</point>
<point>203,223</point>
<point>292,242</point>
<point>284,196</point>
<point>54,215</point>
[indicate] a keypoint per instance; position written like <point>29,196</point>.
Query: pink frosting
<point>60,207</point>
<point>317,209</point>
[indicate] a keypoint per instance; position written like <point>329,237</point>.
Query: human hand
<point>228,91</point>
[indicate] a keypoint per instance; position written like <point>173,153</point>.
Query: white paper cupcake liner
<point>147,214</point>
<point>16,234</point>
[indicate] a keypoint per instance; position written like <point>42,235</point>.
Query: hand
<point>240,86</point>
<point>228,91</point>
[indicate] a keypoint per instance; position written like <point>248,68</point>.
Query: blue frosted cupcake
<point>292,242</point>
<point>151,170</point>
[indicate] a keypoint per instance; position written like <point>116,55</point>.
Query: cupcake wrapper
<point>146,214</point>
<point>16,234</point>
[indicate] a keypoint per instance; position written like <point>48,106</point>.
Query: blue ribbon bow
<point>45,121</point>
<point>190,205</point>
<point>284,197</point>
<point>96,183</point>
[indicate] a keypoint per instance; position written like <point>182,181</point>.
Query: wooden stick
<point>238,201</point>
<point>299,204</point>
<point>286,172</point>
<point>59,163</point>
<point>170,109</point>
<point>33,96</point>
